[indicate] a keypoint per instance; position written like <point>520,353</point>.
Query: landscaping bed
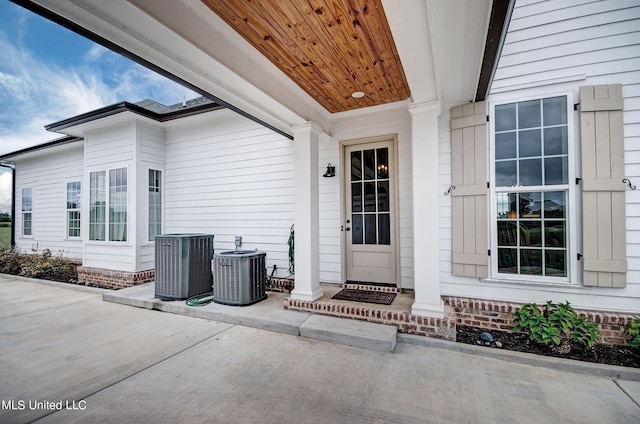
<point>600,353</point>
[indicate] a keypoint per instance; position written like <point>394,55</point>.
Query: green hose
<point>200,299</point>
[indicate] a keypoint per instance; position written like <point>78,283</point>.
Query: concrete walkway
<point>106,362</point>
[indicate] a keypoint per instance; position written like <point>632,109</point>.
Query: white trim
<point>573,276</point>
<point>539,83</point>
<point>66,209</point>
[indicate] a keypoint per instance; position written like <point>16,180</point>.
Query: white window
<point>73,209</point>
<point>116,202</point>
<point>531,194</point>
<point>155,204</point>
<point>27,214</point>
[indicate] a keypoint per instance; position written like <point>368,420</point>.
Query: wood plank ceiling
<point>330,48</point>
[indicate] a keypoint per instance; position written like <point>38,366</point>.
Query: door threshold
<point>370,283</point>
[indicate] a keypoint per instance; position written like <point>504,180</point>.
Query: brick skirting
<point>113,279</point>
<point>492,315</point>
<point>486,314</point>
<point>280,285</point>
<point>441,328</point>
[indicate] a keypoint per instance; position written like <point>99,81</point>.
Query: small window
<point>73,209</point>
<point>108,194</point>
<point>27,217</point>
<point>155,204</point>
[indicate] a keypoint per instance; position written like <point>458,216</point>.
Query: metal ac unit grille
<point>183,265</point>
<point>239,277</point>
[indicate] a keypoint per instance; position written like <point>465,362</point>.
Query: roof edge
<point>54,143</point>
<point>130,107</point>
<point>499,20</point>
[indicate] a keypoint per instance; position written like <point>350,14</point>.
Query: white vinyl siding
<point>227,176</point>
<point>48,175</point>
<point>554,47</point>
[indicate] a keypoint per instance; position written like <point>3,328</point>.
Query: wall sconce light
<point>331,171</point>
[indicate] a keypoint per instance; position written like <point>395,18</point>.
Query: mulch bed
<point>520,342</point>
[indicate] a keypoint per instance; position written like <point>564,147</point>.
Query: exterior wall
<point>150,155</point>
<point>391,120</point>
<point>48,176</point>
<point>228,176</point>
<point>587,44</point>
<point>109,148</point>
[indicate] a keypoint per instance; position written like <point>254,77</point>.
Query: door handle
<point>348,229</point>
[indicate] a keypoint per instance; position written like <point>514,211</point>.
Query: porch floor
<point>275,314</point>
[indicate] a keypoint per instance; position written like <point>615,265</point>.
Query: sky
<point>49,73</point>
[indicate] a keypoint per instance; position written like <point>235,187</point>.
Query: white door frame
<point>393,139</point>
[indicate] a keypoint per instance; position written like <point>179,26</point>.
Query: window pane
<point>531,262</point>
<point>356,229</point>
<point>26,199</point>
<point>26,224</point>
<point>529,114</point>
<point>383,163</point>
<point>356,197</point>
<point>555,141</point>
<point>506,205</point>
<point>356,166</point>
<point>97,205</point>
<point>531,233</point>
<point>383,196</point>
<point>507,233</point>
<point>530,205</point>
<point>508,261</point>
<point>384,229</point>
<point>555,110</point>
<point>554,204</point>
<point>369,157</point>
<point>554,234</point>
<point>370,197</point>
<point>506,117</point>
<point>506,173</point>
<point>555,171</point>
<point>118,204</point>
<point>529,143</point>
<point>555,263</point>
<point>155,204</point>
<point>506,145</point>
<point>531,172</point>
<point>73,224</point>
<point>370,229</point>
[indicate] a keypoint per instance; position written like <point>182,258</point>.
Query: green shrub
<point>556,325</point>
<point>633,328</point>
<point>45,265</point>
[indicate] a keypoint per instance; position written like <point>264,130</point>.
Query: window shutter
<point>604,231</point>
<point>469,198</point>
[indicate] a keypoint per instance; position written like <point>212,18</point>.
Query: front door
<point>370,230</point>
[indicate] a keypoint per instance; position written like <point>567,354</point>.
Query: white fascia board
<point>128,26</point>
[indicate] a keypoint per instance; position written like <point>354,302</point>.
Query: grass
<point>5,237</point>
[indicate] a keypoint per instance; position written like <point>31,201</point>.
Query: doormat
<point>366,296</point>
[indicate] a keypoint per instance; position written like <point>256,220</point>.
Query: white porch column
<point>426,219</point>
<point>307,218</point>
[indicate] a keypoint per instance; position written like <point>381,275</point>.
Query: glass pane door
<point>370,203</point>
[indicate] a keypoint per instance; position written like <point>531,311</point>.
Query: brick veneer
<point>441,328</point>
<point>487,314</point>
<point>493,315</point>
<point>113,279</point>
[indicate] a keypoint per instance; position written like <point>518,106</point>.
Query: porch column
<point>307,218</point>
<point>426,219</point>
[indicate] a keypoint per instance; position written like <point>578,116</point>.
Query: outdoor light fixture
<point>331,171</point>
<point>357,94</point>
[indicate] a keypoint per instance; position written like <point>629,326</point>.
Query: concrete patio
<point>106,362</point>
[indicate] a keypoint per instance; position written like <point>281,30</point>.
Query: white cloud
<point>5,192</point>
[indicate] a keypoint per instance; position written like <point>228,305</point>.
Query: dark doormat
<point>366,296</point>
